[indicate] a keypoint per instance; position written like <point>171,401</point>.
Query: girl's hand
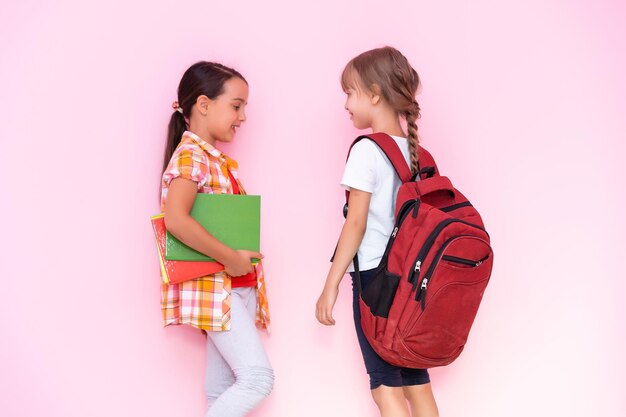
<point>325,304</point>
<point>241,263</point>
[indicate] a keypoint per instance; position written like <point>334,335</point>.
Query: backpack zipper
<point>404,211</point>
<point>429,243</point>
<point>456,259</point>
<point>421,294</point>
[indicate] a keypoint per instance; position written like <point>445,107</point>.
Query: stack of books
<point>234,220</point>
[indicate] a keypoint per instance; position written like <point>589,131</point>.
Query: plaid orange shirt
<point>205,302</point>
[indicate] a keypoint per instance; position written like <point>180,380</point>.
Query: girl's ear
<point>375,93</point>
<point>203,104</point>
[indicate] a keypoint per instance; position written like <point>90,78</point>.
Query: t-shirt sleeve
<point>360,171</point>
<point>188,164</point>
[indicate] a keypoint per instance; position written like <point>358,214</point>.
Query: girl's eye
<point>237,107</point>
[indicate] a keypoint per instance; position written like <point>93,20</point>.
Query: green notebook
<point>233,219</point>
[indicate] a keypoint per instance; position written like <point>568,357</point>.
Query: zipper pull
<point>421,294</point>
<point>395,232</point>
<point>416,274</point>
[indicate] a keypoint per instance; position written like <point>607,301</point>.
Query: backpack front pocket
<point>440,333</point>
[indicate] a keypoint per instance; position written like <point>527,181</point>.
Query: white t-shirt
<point>368,169</point>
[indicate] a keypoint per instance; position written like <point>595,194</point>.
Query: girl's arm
<point>180,198</point>
<point>349,242</point>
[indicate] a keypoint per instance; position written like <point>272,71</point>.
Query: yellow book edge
<point>164,276</point>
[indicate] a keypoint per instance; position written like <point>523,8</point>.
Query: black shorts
<point>381,372</point>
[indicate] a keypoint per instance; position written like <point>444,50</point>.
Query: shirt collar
<point>204,144</point>
<point>212,150</point>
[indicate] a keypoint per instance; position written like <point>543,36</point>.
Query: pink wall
<point>523,106</point>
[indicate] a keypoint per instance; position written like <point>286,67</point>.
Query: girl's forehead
<point>236,87</point>
<point>351,80</point>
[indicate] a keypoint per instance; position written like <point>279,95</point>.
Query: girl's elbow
<point>172,223</point>
<point>358,226</point>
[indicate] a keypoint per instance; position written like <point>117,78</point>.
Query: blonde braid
<point>411,116</point>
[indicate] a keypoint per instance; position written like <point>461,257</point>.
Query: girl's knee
<point>259,380</point>
<point>384,396</point>
<point>380,396</point>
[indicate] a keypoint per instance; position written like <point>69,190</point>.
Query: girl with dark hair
<point>226,305</point>
<point>380,85</point>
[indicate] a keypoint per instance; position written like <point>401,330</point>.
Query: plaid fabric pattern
<point>205,302</point>
<point>196,160</point>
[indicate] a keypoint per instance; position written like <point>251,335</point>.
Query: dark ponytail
<point>175,130</point>
<point>202,78</point>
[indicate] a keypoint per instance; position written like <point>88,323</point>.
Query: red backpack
<point>418,309</point>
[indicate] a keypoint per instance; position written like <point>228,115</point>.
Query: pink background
<point>523,107</point>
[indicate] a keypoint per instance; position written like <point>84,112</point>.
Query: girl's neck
<point>390,126</point>
<point>201,131</point>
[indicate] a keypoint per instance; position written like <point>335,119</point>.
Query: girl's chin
<point>228,137</point>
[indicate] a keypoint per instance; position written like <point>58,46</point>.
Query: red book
<point>173,272</point>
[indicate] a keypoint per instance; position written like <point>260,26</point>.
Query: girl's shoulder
<point>189,160</point>
<point>366,151</point>
<point>187,143</point>
<point>188,148</point>
<point>369,146</point>
<point>368,155</point>
<point>364,146</point>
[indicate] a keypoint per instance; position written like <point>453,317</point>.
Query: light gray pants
<point>238,373</point>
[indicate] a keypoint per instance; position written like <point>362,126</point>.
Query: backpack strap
<point>426,164</point>
<point>392,151</point>
<point>427,167</point>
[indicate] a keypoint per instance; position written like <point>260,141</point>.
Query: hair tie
<point>177,107</point>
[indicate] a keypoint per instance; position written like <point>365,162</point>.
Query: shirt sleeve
<point>189,164</point>
<point>360,171</point>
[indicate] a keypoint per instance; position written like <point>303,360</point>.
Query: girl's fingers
<point>324,314</point>
<point>319,315</point>
<point>327,318</point>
